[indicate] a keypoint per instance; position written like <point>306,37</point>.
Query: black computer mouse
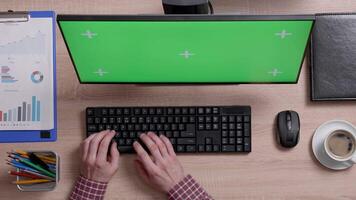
<point>288,127</point>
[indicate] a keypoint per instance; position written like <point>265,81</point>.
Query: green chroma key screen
<point>191,49</point>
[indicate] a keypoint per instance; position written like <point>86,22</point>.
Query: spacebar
<point>125,149</point>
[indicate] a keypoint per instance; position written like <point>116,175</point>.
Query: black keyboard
<point>190,129</point>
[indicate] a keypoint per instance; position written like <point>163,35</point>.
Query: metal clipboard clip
<point>14,17</point>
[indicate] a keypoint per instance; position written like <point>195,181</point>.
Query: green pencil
<point>37,167</point>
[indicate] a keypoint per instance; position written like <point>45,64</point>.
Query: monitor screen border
<point>186,18</point>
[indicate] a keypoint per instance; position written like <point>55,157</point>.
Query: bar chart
<point>24,112</point>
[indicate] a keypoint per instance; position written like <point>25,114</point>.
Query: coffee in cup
<point>340,145</point>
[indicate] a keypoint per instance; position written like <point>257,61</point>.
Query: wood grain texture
<point>267,173</point>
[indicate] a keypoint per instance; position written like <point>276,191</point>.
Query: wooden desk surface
<point>266,173</point>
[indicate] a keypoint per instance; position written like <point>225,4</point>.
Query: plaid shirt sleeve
<point>85,189</point>
<point>188,189</point>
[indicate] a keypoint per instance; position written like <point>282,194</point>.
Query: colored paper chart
<point>26,75</point>
<point>24,112</point>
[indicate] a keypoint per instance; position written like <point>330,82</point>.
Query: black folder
<point>333,57</point>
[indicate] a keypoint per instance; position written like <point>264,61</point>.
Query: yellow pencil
<point>45,158</point>
<point>33,181</point>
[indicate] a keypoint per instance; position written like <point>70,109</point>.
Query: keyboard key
<point>216,148</point>
<point>231,118</point>
<point>125,149</point>
<point>228,148</point>
<point>208,140</point>
<point>215,126</point>
<point>177,111</point>
<point>141,120</point>
<point>247,144</point>
<point>208,126</point>
<point>104,112</point>
<point>232,133</point>
<point>151,111</point>
<point>186,141</point>
<point>126,111</point>
<point>200,111</point>
<point>137,111</point>
<point>247,129</point>
<point>112,111</point>
<point>231,126</point>
<point>187,134</point>
<point>192,111</point>
<point>224,133</point>
<point>97,120</point>
<point>239,148</point>
<point>90,112</point>
<point>184,111</point>
<point>208,148</point>
<point>238,118</point>
<point>239,133</point>
<point>208,111</point>
<point>172,140</point>
<point>239,126</point>
<point>224,119</point>
<point>239,141</point>
<point>246,118</point>
<point>112,120</point>
<point>90,120</point>
<point>119,120</point>
<point>224,141</point>
<point>169,134</point>
<point>175,134</point>
<point>208,119</point>
<point>201,148</point>
<point>92,128</point>
<point>159,111</point>
<point>215,119</point>
<point>231,140</point>
<point>191,119</point>
<point>224,127</point>
<point>190,148</point>
<point>180,148</point>
<point>215,110</point>
<point>118,111</point>
<point>144,111</point>
<point>170,111</point>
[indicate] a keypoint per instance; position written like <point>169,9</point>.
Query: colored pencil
<point>26,182</point>
<point>38,161</point>
<point>38,174</point>
<point>43,157</point>
<point>36,167</point>
<point>23,167</point>
<point>24,174</point>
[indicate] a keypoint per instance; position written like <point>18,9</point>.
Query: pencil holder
<point>42,186</point>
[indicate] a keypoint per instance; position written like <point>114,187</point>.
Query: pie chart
<point>37,77</point>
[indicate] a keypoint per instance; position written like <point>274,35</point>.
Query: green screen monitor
<point>186,49</point>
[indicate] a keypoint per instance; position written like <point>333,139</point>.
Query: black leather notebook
<point>333,57</point>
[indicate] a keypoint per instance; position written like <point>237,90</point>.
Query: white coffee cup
<point>340,146</point>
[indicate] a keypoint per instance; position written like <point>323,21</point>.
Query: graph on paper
<point>26,75</point>
<point>29,44</point>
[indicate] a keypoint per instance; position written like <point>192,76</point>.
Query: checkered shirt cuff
<point>86,189</point>
<point>188,189</point>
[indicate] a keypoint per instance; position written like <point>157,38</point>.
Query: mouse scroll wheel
<point>288,117</point>
<point>289,124</point>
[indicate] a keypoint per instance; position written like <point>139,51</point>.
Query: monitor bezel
<point>186,18</point>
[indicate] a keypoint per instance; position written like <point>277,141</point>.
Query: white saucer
<point>320,134</point>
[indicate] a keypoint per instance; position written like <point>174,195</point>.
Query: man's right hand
<point>162,170</point>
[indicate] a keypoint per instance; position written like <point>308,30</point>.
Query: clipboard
<point>9,136</point>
